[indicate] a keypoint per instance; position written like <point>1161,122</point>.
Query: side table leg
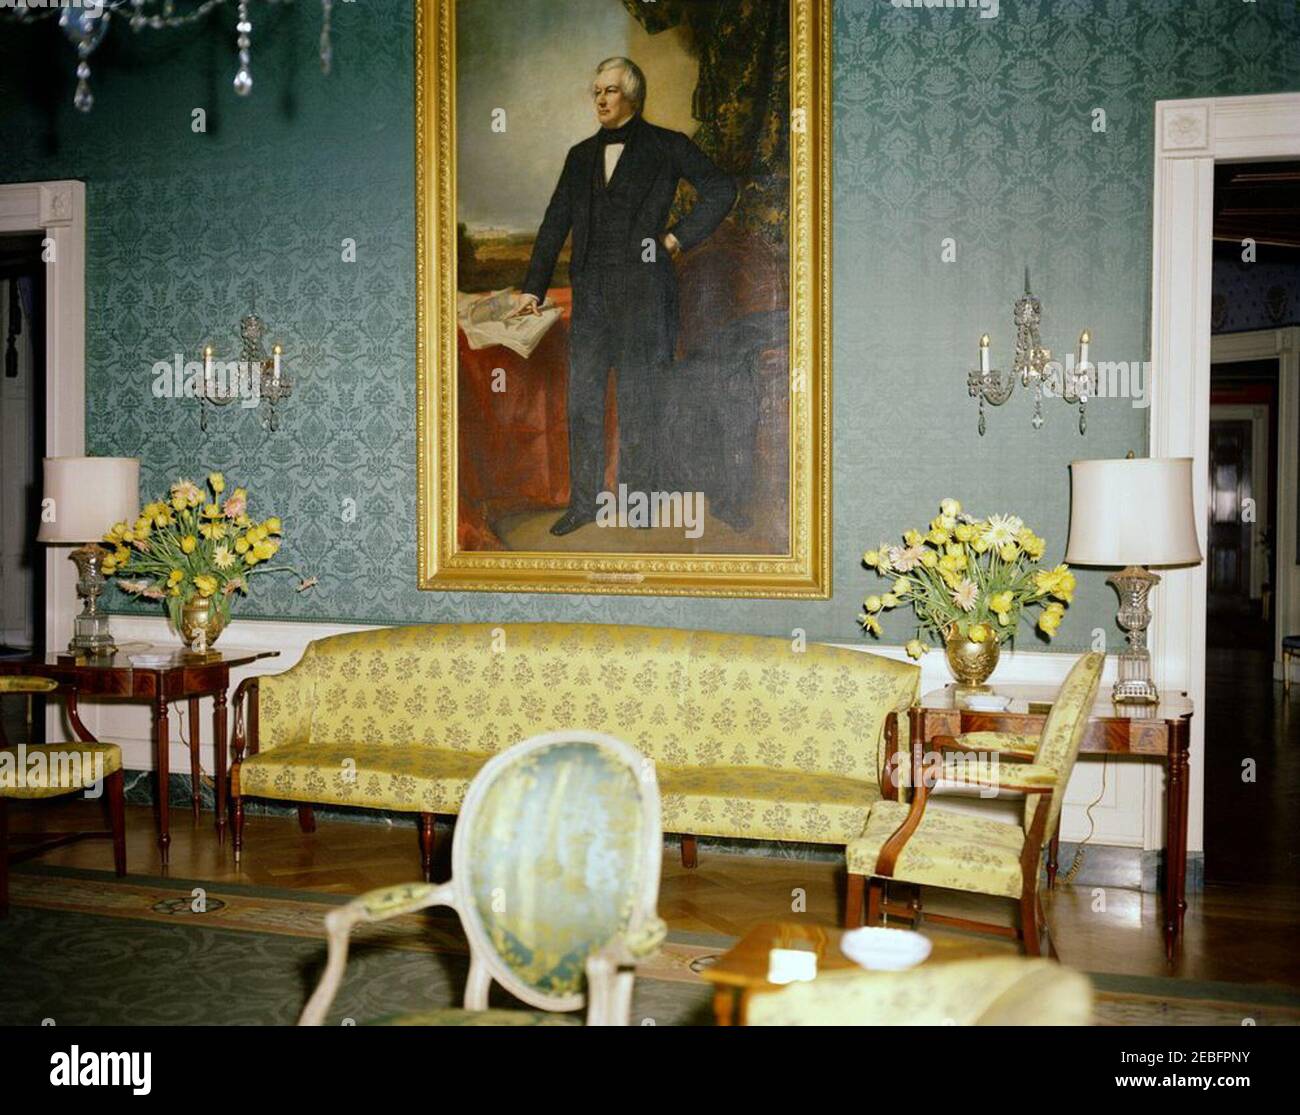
<point>195,772</point>
<point>162,761</point>
<point>724,1005</point>
<point>220,775</point>
<point>1176,790</point>
<point>1053,851</point>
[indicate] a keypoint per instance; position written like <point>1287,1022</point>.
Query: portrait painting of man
<point>626,378</point>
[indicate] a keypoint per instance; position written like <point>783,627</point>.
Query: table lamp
<point>1133,512</point>
<point>84,497</point>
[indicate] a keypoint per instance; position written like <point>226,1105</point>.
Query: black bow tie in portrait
<point>616,135</point>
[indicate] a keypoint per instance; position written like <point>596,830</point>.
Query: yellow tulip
<point>217,481</point>
<point>915,648</point>
<point>872,603</point>
<point>902,587</point>
<point>175,577</point>
<point>889,600</point>
<point>950,507</point>
<point>273,524</point>
<point>241,545</point>
<point>978,633</point>
<point>188,544</point>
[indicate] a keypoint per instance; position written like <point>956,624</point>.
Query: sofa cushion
<point>49,770</point>
<point>407,778</point>
<point>760,804</point>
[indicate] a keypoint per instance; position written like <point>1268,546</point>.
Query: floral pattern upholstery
<point>62,768</point>
<point>976,770</point>
<point>765,804</point>
<point>414,779</point>
<point>752,736</point>
<point>982,855</point>
<point>1005,743</point>
<point>997,991</point>
<point>948,849</point>
<point>550,883</point>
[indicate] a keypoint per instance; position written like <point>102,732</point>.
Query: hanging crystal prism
<point>326,45</point>
<point>244,78</point>
<point>85,28</point>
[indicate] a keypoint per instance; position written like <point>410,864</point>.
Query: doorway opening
<point>1252,724</point>
<point>22,444</point>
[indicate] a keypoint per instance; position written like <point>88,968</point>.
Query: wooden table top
<point>746,963</point>
<point>162,657</point>
<point>1034,700</point>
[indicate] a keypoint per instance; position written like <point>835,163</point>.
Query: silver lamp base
<point>1133,685</point>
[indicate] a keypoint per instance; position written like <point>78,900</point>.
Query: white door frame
<point>1190,137</point>
<point>57,211</point>
<point>1282,345</point>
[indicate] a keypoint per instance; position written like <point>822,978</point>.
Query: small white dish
<point>885,950</point>
<point>987,702</point>
<point>791,966</point>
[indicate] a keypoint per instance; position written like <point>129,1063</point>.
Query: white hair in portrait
<point>633,81</point>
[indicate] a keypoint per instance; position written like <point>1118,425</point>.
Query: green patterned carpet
<point>82,948</point>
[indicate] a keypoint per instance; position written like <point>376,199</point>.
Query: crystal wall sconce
<point>256,378</point>
<point>1075,381</point>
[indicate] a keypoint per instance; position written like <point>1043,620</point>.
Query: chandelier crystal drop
<point>86,25</point>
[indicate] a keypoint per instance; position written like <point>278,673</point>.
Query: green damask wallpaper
<point>947,125</point>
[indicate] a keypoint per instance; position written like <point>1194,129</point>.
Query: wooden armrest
<point>245,694</point>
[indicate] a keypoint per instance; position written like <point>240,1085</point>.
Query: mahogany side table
<point>184,676</point>
<point>1159,733</point>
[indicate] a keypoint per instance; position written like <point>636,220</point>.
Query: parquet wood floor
<point>1233,933</point>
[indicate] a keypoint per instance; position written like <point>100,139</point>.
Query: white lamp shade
<point>85,496</point>
<point>1133,511</point>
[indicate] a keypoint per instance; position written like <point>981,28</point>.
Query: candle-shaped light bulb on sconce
<point>984,354</point>
<point>1085,339</point>
<point>276,352</point>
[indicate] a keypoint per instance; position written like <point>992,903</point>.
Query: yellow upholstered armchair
<point>555,876</point>
<point>929,847</point>
<point>53,770</point>
<point>994,991</point>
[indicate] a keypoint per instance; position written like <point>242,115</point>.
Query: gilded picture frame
<point>802,568</point>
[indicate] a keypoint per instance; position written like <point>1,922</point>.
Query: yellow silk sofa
<point>749,737</point>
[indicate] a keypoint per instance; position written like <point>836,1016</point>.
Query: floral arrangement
<point>974,578</point>
<point>185,547</point>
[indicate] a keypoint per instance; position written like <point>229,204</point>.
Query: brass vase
<point>971,663</point>
<point>201,623</point>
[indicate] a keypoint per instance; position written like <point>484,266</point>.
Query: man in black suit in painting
<point>615,194</point>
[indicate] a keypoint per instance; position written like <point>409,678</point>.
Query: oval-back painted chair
<point>555,876</point>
